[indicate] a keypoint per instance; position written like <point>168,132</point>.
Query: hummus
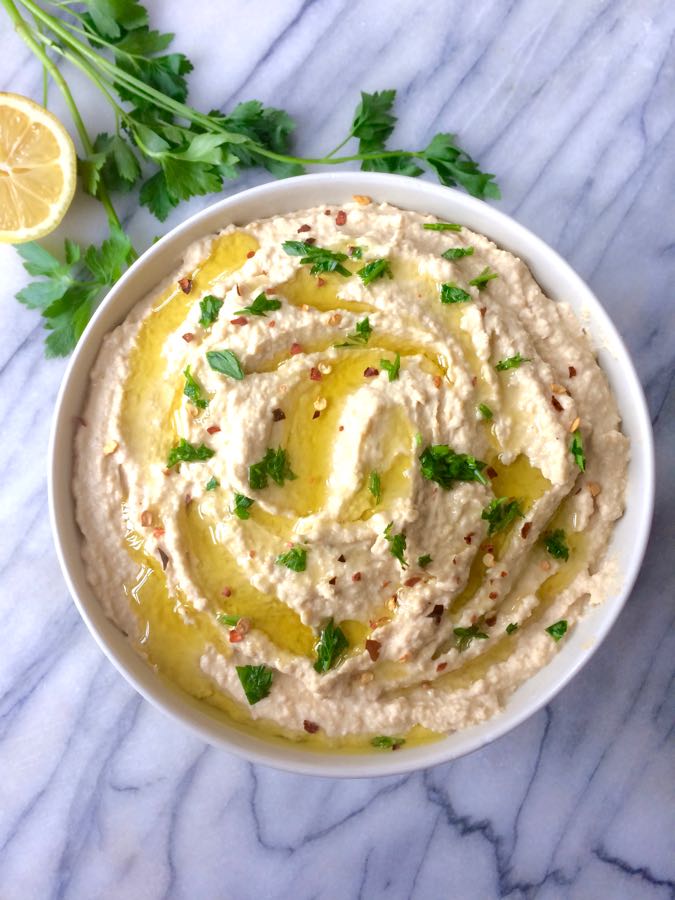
<point>348,476</point>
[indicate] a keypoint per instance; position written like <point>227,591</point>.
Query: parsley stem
<point>25,34</point>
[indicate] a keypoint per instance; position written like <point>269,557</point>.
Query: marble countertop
<point>101,796</point>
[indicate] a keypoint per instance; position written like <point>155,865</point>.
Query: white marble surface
<point>571,103</point>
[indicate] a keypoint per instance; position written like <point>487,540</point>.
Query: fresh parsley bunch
<point>168,150</point>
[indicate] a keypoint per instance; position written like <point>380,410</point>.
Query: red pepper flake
<point>490,621</point>
<point>315,374</point>
<point>503,574</point>
<point>310,241</point>
<point>327,212</point>
<point>240,320</point>
<point>556,404</point>
<point>441,666</point>
<point>436,613</point>
<point>146,518</point>
<point>341,217</point>
<point>185,284</point>
<point>236,636</point>
<point>474,381</point>
<point>525,530</point>
<point>468,537</point>
<point>493,596</point>
<point>490,472</point>
<point>356,576</point>
<point>271,324</point>
<point>572,371</point>
<point>370,372</point>
<point>188,336</point>
<point>411,582</point>
<point>341,428</point>
<point>295,349</point>
<point>163,557</point>
<point>252,554</point>
<point>250,254</point>
<point>310,727</point>
<point>316,413</point>
<point>483,310</point>
<point>226,592</point>
<point>373,649</point>
<point>437,381</point>
<point>341,558</point>
<point>158,532</point>
<point>278,415</point>
<point>320,282</point>
<point>304,227</point>
<point>332,580</point>
<point>213,429</point>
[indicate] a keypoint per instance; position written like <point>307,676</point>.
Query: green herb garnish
<point>500,513</point>
<point>230,621</point>
<point>212,483</point>
<point>464,637</point>
<point>260,306</point>
<point>360,335</point>
<point>397,544</point>
<point>384,742</point>
<point>511,627</point>
<point>391,368</point>
<point>378,268</point>
<point>184,451</point>
<point>423,561</point>
<point>241,507</point>
<point>274,465</point>
<point>511,362</point>
<point>210,307</point>
<point>577,450</point>
<point>356,252</point>
<point>457,253</point>
<point>320,259</point>
<point>256,682</point>
<point>330,648</point>
<point>485,410</point>
<point>225,362</point>
<point>374,486</point>
<point>295,559</point>
<point>442,226</point>
<point>450,293</point>
<point>441,464</point>
<point>193,391</point>
<point>557,630</point>
<point>556,544</point>
<point>480,281</point>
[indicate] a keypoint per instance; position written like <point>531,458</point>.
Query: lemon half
<point>37,170</point>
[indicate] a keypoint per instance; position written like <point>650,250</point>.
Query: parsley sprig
<point>330,648</point>
<point>170,151</point>
<point>441,464</point>
<point>360,335</point>
<point>321,259</point>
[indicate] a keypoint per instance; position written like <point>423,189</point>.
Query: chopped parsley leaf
<point>184,451</point>
<point>418,439</point>
<point>556,544</point>
<point>210,306</point>
<point>274,465</point>
<point>378,268</point>
<point>256,682</point>
<point>356,252</point>
<point>319,258</point>
<point>442,226</point>
<point>511,362</point>
<point>375,486</point>
<point>242,504</point>
<point>485,410</point>
<point>212,484</point>
<point>225,619</point>
<point>511,627</point>
<point>457,252</point>
<point>423,561</point>
<point>397,544</point>
<point>330,647</point>
<point>225,362</point>
<point>360,335</point>
<point>441,464</point>
<point>558,629</point>
<point>480,281</point>
<point>193,391</point>
<point>500,513</point>
<point>260,306</point>
<point>295,559</point>
<point>464,637</point>
<point>384,742</point>
<point>391,368</point>
<point>450,293</point>
<point>577,450</point>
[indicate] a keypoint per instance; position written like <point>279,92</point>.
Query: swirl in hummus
<point>348,476</point>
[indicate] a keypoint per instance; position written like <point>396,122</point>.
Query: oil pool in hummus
<point>348,476</point>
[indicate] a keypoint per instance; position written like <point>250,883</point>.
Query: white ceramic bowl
<point>557,280</point>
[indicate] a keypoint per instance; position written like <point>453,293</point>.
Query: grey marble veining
<point>571,104</point>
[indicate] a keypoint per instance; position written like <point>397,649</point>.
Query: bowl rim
<point>171,699</point>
